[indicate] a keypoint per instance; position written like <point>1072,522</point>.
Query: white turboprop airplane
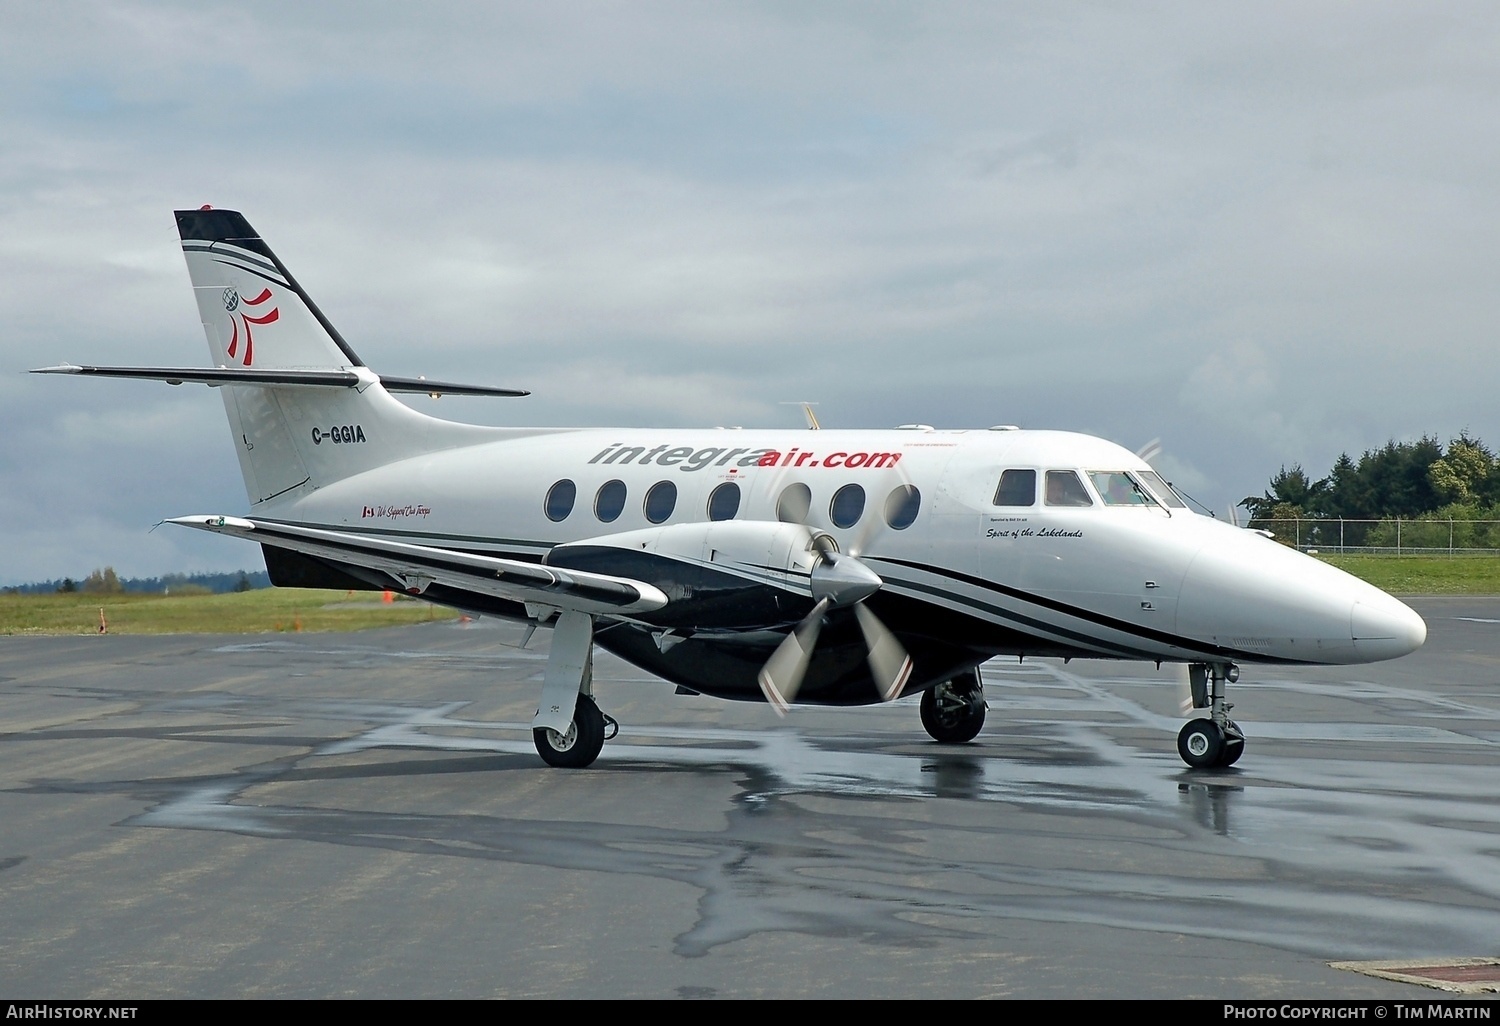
<point>836,567</point>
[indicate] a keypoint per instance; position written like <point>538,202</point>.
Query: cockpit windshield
<point>1064,489</point>
<point>1118,488</point>
<point>1161,488</point>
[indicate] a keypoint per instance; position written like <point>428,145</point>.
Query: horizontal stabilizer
<point>415,567</point>
<point>295,378</point>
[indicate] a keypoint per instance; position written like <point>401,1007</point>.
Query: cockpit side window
<point>1017,488</point>
<point>1064,489</point>
<point>1162,489</point>
<point>1118,488</point>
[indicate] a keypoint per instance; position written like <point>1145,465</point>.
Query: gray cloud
<point>1264,235</point>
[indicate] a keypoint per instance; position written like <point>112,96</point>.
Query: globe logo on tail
<point>242,319</point>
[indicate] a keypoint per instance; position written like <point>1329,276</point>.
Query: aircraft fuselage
<point>964,577</point>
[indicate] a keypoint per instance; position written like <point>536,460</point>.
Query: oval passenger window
<point>609,501</point>
<point>724,503</point>
<point>902,506</point>
<point>848,506</point>
<point>794,505</point>
<point>560,499</point>
<point>660,501</point>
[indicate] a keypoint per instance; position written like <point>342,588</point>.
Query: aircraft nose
<point>1385,629</point>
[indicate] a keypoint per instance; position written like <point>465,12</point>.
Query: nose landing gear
<point>1217,741</point>
<point>953,711</point>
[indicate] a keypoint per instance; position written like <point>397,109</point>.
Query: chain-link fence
<point>1395,536</point>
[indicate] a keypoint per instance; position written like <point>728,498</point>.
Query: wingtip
<point>212,522</point>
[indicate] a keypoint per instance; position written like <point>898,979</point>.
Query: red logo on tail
<point>243,318</point>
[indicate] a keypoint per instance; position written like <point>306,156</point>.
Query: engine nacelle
<point>730,575</point>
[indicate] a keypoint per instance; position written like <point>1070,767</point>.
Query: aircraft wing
<point>415,567</point>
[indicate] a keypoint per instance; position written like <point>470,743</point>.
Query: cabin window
<point>660,501</point>
<point>1117,488</point>
<point>724,502</point>
<point>901,507</point>
<point>1064,489</point>
<point>1017,488</point>
<point>794,505</point>
<point>848,506</point>
<point>609,501</point>
<point>560,498</point>
<point>1162,489</point>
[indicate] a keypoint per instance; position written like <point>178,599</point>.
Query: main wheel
<point>1201,744</point>
<point>580,746</point>
<point>951,718</point>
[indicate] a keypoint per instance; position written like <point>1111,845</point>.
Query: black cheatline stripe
<point>1042,626</point>
<point>312,307</point>
<point>218,253</point>
<point>259,274</point>
<point>1102,619</point>
<point>601,590</point>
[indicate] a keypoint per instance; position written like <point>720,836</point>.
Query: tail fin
<point>292,440</point>
<point>243,292</point>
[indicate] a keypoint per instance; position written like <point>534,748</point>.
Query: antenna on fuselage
<point>812,421</point>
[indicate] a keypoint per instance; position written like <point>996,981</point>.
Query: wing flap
<point>416,567</point>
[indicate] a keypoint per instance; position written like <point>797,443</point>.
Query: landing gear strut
<point>571,740</point>
<point>1215,742</point>
<point>953,711</point>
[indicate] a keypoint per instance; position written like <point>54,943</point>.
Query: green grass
<point>264,610</point>
<point>1424,575</point>
<point>268,610</point>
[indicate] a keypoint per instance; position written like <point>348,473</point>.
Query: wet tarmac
<point>364,815</point>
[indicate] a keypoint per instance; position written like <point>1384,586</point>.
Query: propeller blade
<point>782,675</point>
<point>1184,689</point>
<point>889,663</point>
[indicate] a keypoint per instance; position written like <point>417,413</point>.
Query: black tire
<point>1232,752</point>
<point>951,726</point>
<point>580,746</point>
<point>1201,744</point>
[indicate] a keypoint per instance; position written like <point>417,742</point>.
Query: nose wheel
<point>1215,742</point>
<point>953,711</point>
<point>1204,745</point>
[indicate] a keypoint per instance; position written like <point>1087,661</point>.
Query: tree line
<point>1420,481</point>
<point>105,581</point>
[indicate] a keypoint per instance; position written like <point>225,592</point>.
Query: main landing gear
<point>571,740</point>
<point>1217,741</point>
<point>953,711</point>
<point>581,744</point>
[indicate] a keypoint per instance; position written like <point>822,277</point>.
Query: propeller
<point>836,581</point>
<point>1184,688</point>
<point>1150,451</point>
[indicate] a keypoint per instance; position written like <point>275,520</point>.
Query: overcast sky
<point>1263,233</point>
